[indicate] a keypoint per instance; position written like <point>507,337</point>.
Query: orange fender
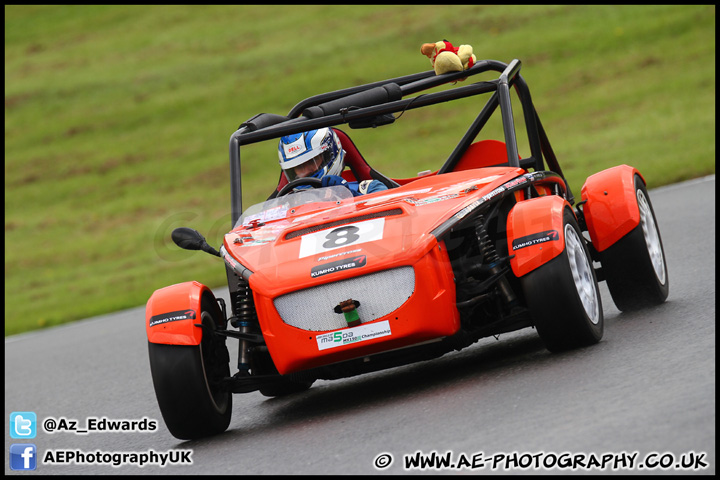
<point>611,209</point>
<point>535,232</point>
<point>172,312</point>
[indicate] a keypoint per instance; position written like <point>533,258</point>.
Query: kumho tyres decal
<point>534,239</point>
<point>172,317</point>
<point>338,266</point>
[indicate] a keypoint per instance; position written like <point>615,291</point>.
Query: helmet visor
<point>309,168</point>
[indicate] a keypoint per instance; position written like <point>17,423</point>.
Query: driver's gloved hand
<point>332,180</point>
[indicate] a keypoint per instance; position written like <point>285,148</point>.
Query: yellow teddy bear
<point>446,58</point>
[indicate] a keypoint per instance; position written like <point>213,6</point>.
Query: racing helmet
<point>314,153</point>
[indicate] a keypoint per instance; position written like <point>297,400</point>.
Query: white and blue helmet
<point>315,153</point>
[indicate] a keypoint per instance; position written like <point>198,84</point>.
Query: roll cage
<point>373,105</point>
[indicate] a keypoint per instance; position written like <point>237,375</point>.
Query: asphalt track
<point>644,397</point>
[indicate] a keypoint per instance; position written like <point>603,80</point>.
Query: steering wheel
<point>312,181</point>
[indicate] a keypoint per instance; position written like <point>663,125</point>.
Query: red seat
<point>485,153</point>
<point>359,168</point>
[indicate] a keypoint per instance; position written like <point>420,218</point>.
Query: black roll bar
<point>506,108</point>
<point>376,99</point>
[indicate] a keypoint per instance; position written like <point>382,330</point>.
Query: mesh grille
<point>316,228</point>
<point>378,293</point>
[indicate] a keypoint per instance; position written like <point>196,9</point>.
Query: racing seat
<point>485,153</point>
<point>481,154</point>
<point>357,167</point>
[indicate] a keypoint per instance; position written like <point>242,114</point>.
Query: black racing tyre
<point>186,380</point>
<point>286,385</point>
<point>635,268</point>
<point>563,295</point>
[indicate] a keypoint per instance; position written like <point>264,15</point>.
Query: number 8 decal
<point>341,236</point>
<point>352,234</point>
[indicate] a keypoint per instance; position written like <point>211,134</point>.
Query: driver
<point>318,153</point>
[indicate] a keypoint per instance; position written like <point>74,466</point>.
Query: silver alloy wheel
<point>652,238</point>
<point>582,274</point>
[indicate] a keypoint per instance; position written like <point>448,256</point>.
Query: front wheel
<point>186,380</point>
<point>563,295</point>
<point>634,267</point>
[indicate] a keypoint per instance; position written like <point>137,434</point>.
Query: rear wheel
<point>563,295</point>
<point>186,380</point>
<point>634,267</point>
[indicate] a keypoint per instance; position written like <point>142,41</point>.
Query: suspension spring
<point>490,256</point>
<point>245,313</point>
<point>487,249</point>
<point>245,320</point>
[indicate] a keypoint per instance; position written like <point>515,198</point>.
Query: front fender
<point>610,210</point>
<point>171,314</point>
<point>535,232</point>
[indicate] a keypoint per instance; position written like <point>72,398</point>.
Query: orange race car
<point>326,284</point>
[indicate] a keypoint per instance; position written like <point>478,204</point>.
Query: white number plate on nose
<point>350,234</point>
